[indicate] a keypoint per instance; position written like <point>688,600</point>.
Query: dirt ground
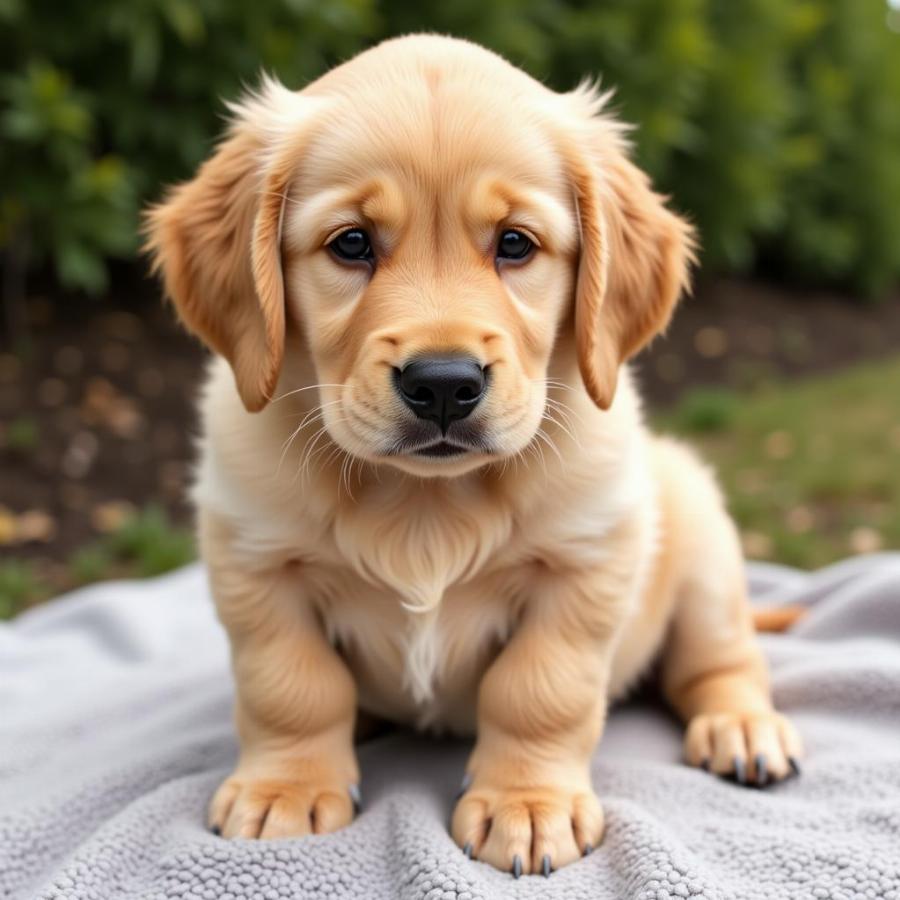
<point>96,409</point>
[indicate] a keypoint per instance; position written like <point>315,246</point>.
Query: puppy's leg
<point>296,701</point>
<point>713,671</point>
<point>529,805</point>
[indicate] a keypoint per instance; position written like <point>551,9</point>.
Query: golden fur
<point>509,592</point>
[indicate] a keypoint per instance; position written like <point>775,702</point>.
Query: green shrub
<point>102,102</point>
<point>775,125</point>
<point>841,214</point>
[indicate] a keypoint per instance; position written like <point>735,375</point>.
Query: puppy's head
<point>411,233</point>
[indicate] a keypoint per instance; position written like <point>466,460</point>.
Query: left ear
<point>216,239</point>
<point>635,254</point>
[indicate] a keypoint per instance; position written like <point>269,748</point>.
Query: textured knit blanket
<point>115,728</point>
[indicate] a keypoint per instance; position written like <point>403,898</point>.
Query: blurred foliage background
<point>776,125</point>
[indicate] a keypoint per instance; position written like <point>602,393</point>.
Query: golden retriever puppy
<point>426,492</point>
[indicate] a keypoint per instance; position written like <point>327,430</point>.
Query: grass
<point>145,544</point>
<point>20,585</point>
<point>149,543</point>
<point>811,468</point>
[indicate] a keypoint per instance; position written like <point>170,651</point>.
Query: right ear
<point>216,242</point>
<point>635,254</point>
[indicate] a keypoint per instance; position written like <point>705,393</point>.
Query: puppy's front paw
<point>528,830</point>
<point>254,807</point>
<point>752,748</point>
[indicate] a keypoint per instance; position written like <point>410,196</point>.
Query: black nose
<point>441,388</point>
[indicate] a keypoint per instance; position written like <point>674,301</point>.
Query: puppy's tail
<point>777,618</point>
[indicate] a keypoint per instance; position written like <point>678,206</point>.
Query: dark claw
<point>588,850</point>
<point>355,796</point>
<point>705,764</point>
<point>517,866</point>
<point>795,766</point>
<point>740,770</point>
<point>546,868</point>
<point>216,830</point>
<point>467,849</point>
<point>465,784</point>
<point>762,770</point>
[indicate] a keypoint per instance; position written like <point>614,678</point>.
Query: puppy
<point>425,491</point>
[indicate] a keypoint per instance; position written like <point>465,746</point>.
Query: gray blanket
<point>115,728</point>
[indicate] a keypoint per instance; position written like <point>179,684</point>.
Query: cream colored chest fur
<point>420,583</point>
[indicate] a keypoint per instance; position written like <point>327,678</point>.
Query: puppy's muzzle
<point>442,389</point>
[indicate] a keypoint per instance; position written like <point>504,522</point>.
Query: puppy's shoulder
<point>240,474</point>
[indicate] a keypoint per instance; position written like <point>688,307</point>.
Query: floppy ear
<point>635,254</point>
<point>216,242</point>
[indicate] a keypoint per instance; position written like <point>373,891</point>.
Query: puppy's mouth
<point>429,443</point>
<point>441,448</point>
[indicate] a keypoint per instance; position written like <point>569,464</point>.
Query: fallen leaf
<point>112,515</point>
<point>124,419</point>
<point>800,519</point>
<point>8,527</point>
<point>35,525</point>
<point>779,445</point>
<point>865,540</point>
<point>711,342</point>
<point>756,544</point>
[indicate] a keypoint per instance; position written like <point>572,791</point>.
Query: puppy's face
<point>420,223</point>
<point>429,258</point>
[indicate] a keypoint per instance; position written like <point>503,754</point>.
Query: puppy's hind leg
<point>713,670</point>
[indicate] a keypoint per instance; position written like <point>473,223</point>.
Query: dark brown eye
<point>353,245</point>
<point>514,245</point>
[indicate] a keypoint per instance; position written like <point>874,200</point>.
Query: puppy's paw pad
<point>527,831</point>
<point>273,808</point>
<point>752,748</point>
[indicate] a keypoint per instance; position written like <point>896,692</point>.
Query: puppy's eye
<point>514,245</point>
<point>353,245</point>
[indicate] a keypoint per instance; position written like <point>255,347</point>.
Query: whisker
<point>543,436</point>
<point>553,383</point>
<point>306,459</point>
<point>539,452</point>
<point>309,387</point>
<point>305,468</point>
<point>314,413</point>
<point>549,417</point>
<point>346,469</point>
<point>336,451</point>
<point>561,407</point>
